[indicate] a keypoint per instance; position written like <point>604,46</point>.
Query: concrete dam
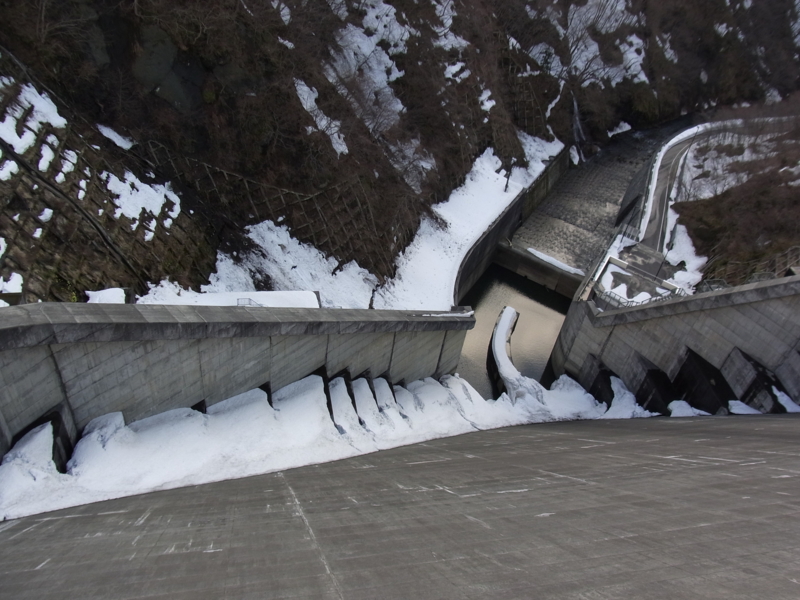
<point>70,363</point>
<point>736,343</point>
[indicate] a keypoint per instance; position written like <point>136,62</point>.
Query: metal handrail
<point>610,298</point>
<point>248,302</point>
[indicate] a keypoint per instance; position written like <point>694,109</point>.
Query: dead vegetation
<point>240,112</point>
<point>750,224</point>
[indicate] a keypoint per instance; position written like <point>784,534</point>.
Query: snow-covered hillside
<point>346,122</point>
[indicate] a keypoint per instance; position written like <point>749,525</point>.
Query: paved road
<point>655,232</point>
<point>658,508</point>
<point>648,257</point>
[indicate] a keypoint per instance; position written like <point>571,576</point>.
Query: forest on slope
<point>357,116</point>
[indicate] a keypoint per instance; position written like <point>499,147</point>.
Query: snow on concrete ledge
<point>246,435</point>
<point>556,263</point>
<point>168,292</point>
<point>785,401</point>
<point>107,296</point>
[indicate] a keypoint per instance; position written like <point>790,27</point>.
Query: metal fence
<point>608,300</point>
<point>738,273</point>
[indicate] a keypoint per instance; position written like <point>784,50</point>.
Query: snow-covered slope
<point>346,122</point>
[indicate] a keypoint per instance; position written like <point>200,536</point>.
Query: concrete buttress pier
<point>80,361</point>
<point>738,332</point>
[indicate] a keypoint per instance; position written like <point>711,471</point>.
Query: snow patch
<point>107,296</point>
<point>361,70</point>
<point>624,405</point>
<point>42,111</point>
<point>486,102</point>
<point>308,98</point>
<point>446,39</point>
<point>784,400</point>
<point>283,10</point>
<point>8,170</point>
<point>132,197</point>
<point>456,73</point>
<point>681,408</point>
<point>47,156</point>
<point>621,128</point>
<point>13,285</point>
<point>632,58</point>
<point>120,140</point>
<point>292,266</point>
<point>683,251</point>
<point>663,41</point>
<point>737,407</point>
<point>428,268</point>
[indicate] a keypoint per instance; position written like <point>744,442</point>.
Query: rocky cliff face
<point>346,120</point>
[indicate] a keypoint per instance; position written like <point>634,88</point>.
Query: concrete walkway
<point>574,222</point>
<point>658,508</point>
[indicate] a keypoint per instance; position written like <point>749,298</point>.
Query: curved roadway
<point>655,232</point>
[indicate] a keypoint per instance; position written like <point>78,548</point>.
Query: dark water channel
<point>541,316</point>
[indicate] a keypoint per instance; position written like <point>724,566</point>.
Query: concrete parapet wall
<point>759,319</point>
<point>142,360</point>
<point>535,269</point>
<point>482,253</point>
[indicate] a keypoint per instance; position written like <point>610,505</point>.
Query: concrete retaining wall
<point>482,254</point>
<point>535,269</point>
<point>86,360</point>
<point>759,319</point>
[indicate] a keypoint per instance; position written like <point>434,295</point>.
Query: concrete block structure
<point>745,332</point>
<point>74,362</point>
